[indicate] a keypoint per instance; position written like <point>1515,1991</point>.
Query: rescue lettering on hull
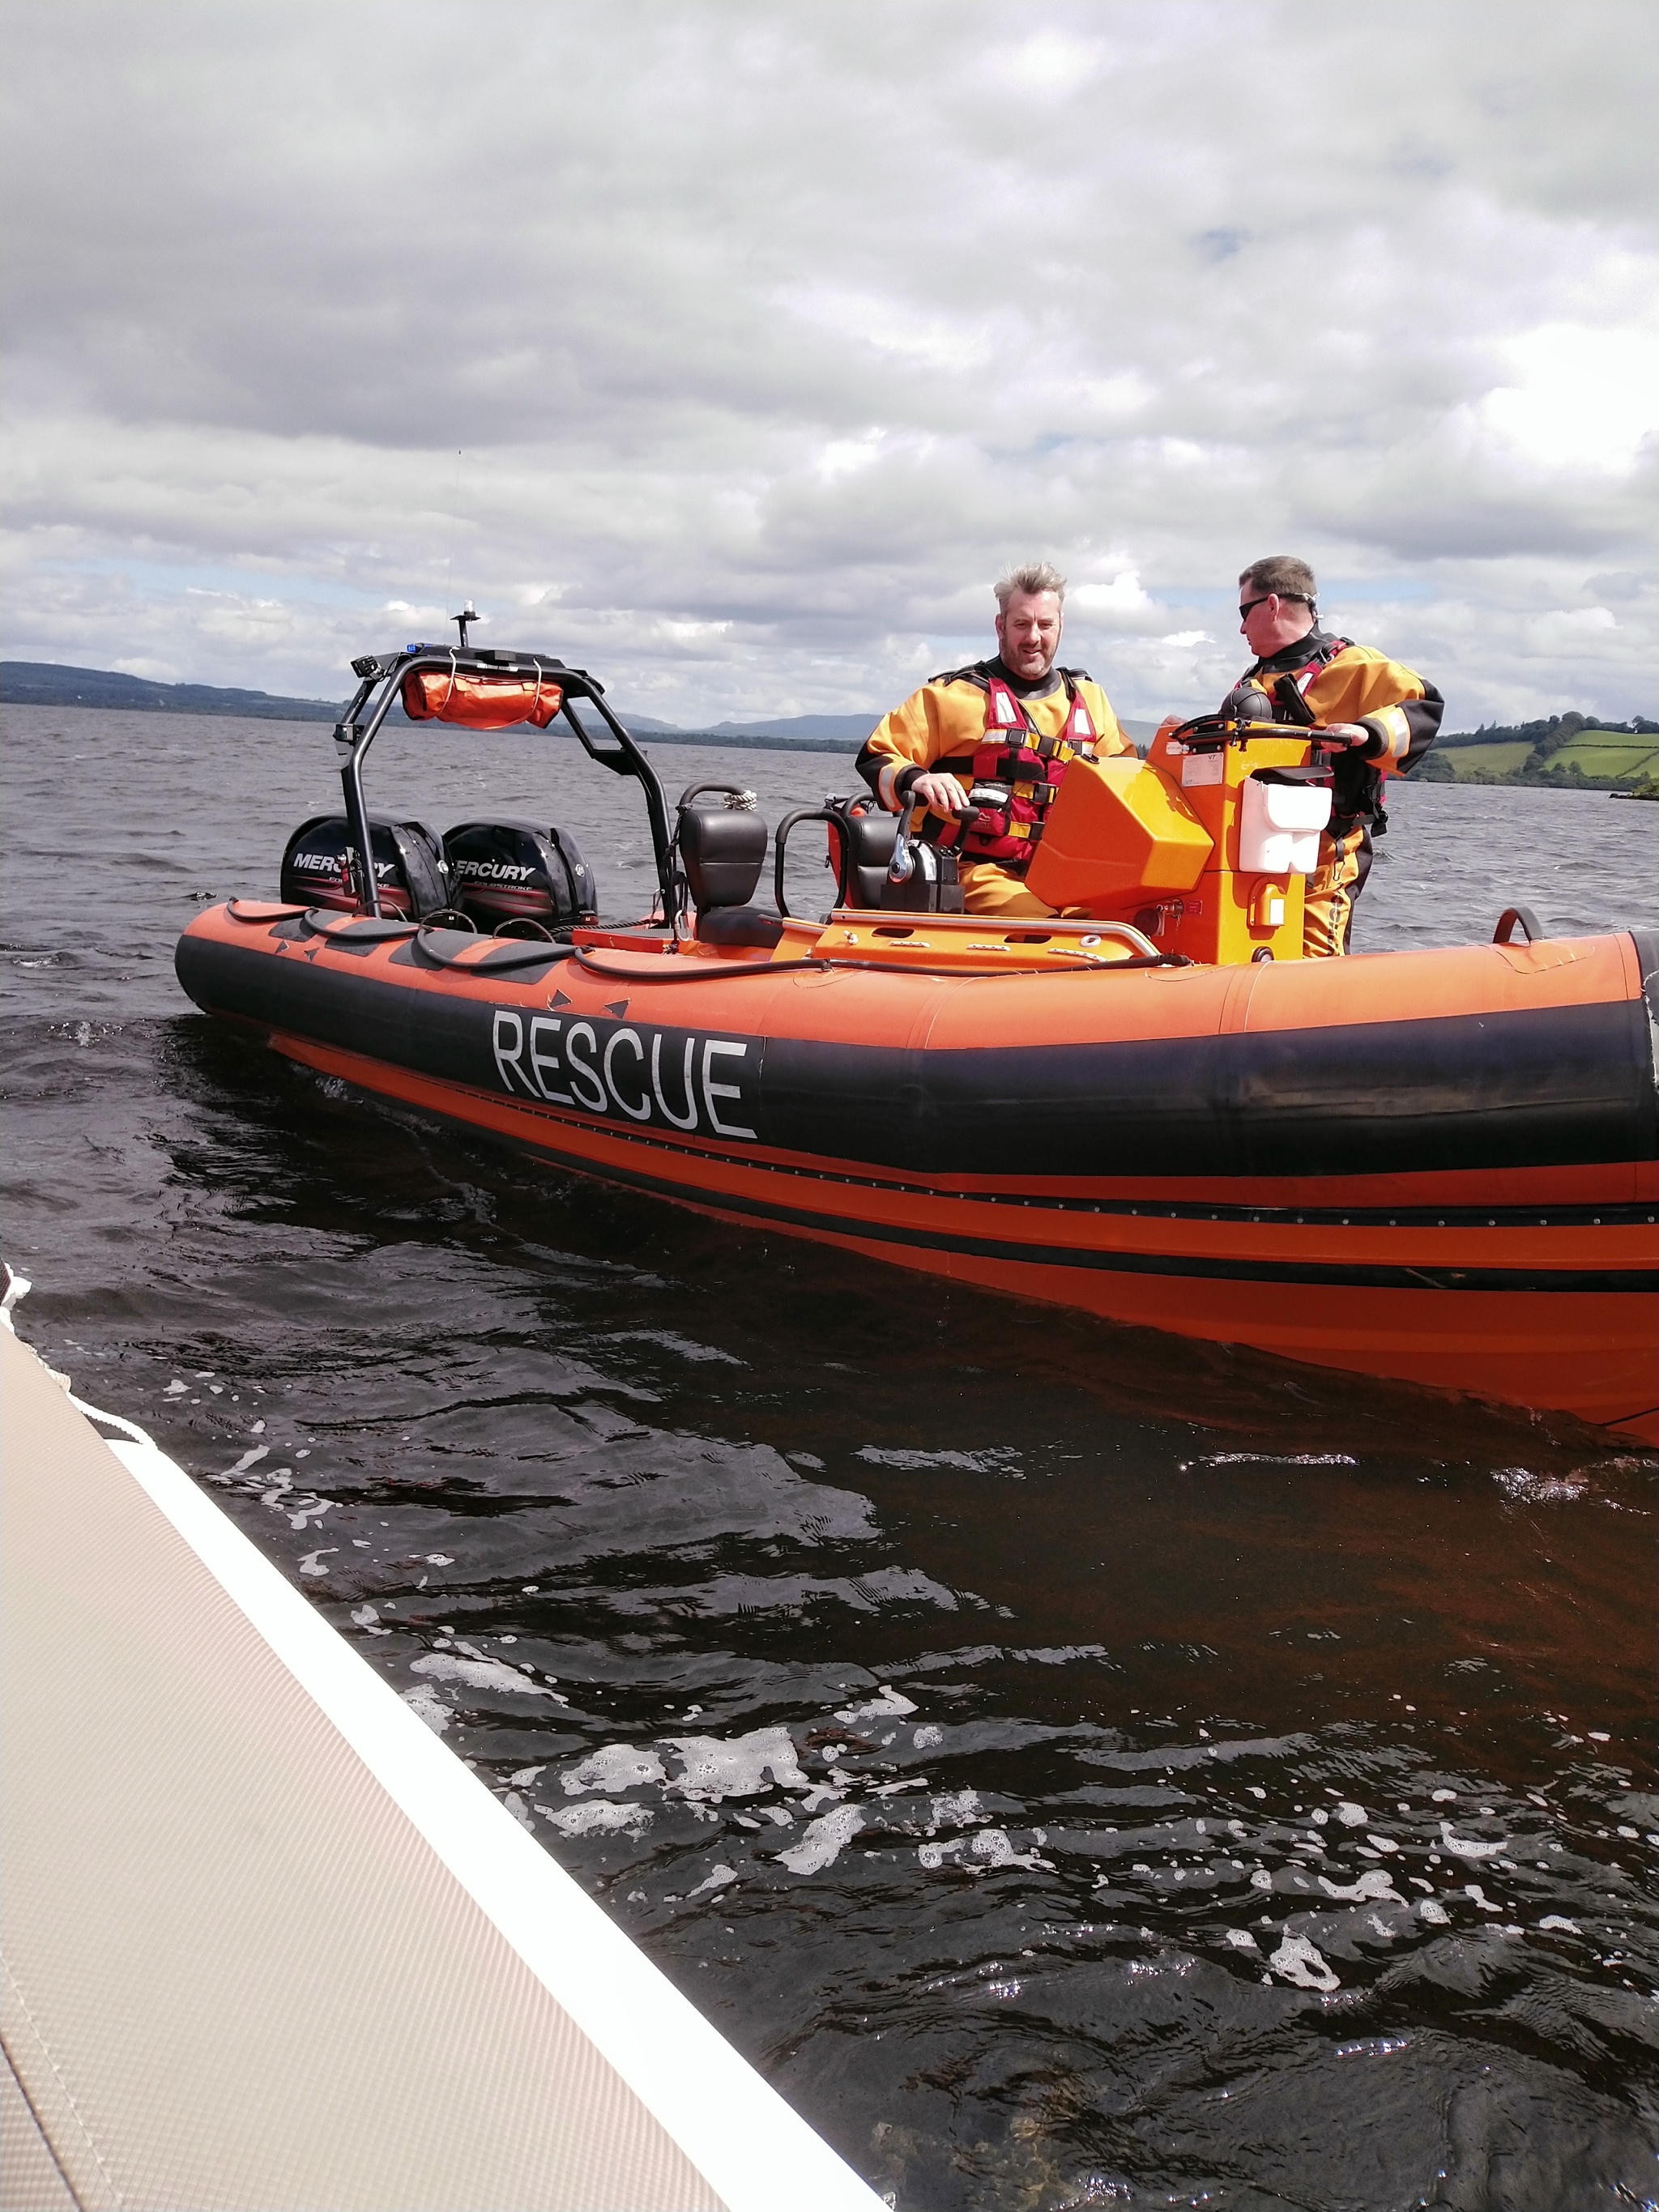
<point>666,1078</point>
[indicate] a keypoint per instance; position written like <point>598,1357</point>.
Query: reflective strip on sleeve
<point>1394,730</point>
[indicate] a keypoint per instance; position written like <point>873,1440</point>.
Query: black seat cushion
<point>739,925</point>
<point>722,850</point>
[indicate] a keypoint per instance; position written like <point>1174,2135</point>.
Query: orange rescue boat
<point>1440,1166</point>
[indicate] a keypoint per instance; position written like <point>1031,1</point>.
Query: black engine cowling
<point>502,871</point>
<point>409,874</point>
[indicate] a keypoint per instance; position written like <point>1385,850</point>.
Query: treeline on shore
<point>1571,752</point>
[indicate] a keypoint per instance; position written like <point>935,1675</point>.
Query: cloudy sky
<point>732,349</point>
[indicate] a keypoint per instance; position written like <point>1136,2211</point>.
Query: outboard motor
<point>409,874</point>
<point>517,878</point>
<point>721,852</point>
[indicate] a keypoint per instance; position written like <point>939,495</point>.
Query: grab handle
<point>1531,928</point>
<point>789,821</point>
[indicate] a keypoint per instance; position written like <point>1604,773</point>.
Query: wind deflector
<point>480,703</point>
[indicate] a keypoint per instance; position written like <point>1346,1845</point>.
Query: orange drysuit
<point>985,725</point>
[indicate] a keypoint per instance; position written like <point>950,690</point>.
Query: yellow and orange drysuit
<point>1014,739</point>
<point>1322,678</point>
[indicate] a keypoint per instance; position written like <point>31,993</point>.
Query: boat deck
<point>268,1944</point>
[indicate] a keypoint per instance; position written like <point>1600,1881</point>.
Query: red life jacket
<point>1031,768</point>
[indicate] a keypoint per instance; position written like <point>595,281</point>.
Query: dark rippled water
<point>1079,1768</point>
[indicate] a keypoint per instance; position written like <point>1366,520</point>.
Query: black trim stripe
<point>1618,1280</point>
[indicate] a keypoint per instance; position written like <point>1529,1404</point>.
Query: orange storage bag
<point>480,703</point>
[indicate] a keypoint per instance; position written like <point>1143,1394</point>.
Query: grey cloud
<point>803,324</point>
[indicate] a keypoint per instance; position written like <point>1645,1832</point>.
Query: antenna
<point>469,614</point>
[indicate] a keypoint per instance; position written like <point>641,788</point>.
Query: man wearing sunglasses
<point>1385,715</point>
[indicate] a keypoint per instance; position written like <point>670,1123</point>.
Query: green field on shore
<point>1600,757</point>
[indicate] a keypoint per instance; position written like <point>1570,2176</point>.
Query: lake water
<point>1078,1767</point>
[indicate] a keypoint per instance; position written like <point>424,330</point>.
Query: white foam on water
<point>1431,1909</point>
<point>1469,1847</point>
<point>1297,1961</point>
<point>1375,1886</point>
<point>954,1808</point>
<point>1558,1924</point>
<point>1240,1939</point>
<point>928,1737</point>
<point>824,1840</point>
<point>1351,1815</point>
<point>995,1847</point>
<point>716,1878</point>
<point>1278,1459</point>
<point>481,1674</point>
<point>526,1776</point>
<point>1528,1488</point>
<point>521,1812</point>
<point>889,1705</point>
<point>736,1767</point>
<point>617,1767</point>
<point>313,1562</point>
<point>600,1818</point>
<point>250,1458</point>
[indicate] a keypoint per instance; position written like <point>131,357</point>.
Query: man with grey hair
<point>1384,713</point>
<point>998,736</point>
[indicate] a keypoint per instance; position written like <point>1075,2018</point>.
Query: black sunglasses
<point>1250,604</point>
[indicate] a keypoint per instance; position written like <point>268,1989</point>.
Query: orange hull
<point>1437,1167</point>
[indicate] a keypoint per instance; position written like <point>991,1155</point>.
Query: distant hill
<point>48,684</point>
<point>841,729</point>
<point>52,684</point>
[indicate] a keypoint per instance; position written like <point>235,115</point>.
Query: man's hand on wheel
<point>1344,734</point>
<point>945,793</point>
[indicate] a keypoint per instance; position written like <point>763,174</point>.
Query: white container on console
<point>1278,827</point>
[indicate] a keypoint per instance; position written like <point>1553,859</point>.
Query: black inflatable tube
<point>1550,1086</point>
